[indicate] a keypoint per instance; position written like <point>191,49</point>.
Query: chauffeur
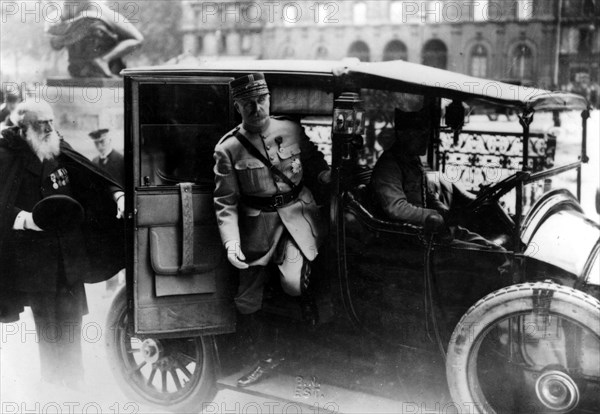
<point>265,210</point>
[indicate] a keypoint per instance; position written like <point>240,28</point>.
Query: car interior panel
<point>177,139</point>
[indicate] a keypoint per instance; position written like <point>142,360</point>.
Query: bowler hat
<point>249,86</point>
<point>98,133</point>
<point>57,212</point>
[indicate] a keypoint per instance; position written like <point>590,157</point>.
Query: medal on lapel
<point>54,179</point>
<point>296,166</point>
<point>59,178</point>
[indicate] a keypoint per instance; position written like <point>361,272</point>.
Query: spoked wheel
<point>177,374</point>
<point>528,348</point>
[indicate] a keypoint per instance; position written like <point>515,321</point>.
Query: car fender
<point>568,240</point>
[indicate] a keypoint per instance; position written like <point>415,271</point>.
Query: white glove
<point>119,197</point>
<point>24,221</point>
<point>235,255</point>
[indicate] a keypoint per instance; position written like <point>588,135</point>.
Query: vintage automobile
<point>397,302</point>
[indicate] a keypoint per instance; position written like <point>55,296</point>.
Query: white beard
<point>46,148</point>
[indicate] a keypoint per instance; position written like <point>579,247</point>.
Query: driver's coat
<point>237,172</point>
<point>401,189</point>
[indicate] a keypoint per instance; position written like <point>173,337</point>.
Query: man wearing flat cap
<point>265,210</point>
<point>59,228</point>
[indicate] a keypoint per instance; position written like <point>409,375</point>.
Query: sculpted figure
<point>96,37</point>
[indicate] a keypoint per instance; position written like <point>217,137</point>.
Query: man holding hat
<point>265,210</point>
<point>58,229</point>
<point>108,159</point>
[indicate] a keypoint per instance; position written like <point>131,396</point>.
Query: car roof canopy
<point>395,75</point>
<point>428,80</point>
<point>316,67</point>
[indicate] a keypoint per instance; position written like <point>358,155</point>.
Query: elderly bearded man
<point>44,264</point>
<point>265,210</point>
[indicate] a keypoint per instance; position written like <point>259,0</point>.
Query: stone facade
<point>508,40</point>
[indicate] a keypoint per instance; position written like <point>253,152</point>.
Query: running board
<point>309,395</point>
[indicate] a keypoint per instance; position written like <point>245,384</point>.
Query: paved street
<point>22,391</point>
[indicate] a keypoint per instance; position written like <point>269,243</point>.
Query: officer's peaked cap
<point>98,133</point>
<point>249,86</point>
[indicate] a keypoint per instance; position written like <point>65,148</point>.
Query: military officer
<point>265,210</point>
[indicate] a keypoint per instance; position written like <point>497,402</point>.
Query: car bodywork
<point>382,275</point>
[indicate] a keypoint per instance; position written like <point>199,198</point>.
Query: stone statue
<point>96,38</point>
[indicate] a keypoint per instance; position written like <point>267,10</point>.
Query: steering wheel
<point>494,192</point>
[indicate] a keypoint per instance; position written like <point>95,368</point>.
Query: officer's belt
<point>272,203</point>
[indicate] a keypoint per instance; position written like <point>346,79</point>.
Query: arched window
<point>321,53</point>
<point>360,49</point>
<point>478,61</point>
<point>395,50</point>
<point>435,53</point>
<point>359,13</point>
<point>522,62</point>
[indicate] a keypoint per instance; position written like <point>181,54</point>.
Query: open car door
<point>180,274</point>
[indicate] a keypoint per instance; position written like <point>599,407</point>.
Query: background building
<point>223,29</point>
<point>541,42</point>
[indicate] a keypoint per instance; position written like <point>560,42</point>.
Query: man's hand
<point>235,255</point>
<point>119,197</point>
<point>24,221</point>
<point>325,177</point>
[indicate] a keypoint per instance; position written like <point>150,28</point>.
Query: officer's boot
<point>264,339</point>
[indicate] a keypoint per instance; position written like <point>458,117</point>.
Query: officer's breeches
<point>291,263</point>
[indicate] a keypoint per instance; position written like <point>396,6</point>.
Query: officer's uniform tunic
<point>286,235</point>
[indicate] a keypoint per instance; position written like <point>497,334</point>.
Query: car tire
<point>464,371</point>
<point>180,380</point>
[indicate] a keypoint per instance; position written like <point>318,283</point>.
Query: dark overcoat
<point>102,251</point>
<point>114,165</point>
